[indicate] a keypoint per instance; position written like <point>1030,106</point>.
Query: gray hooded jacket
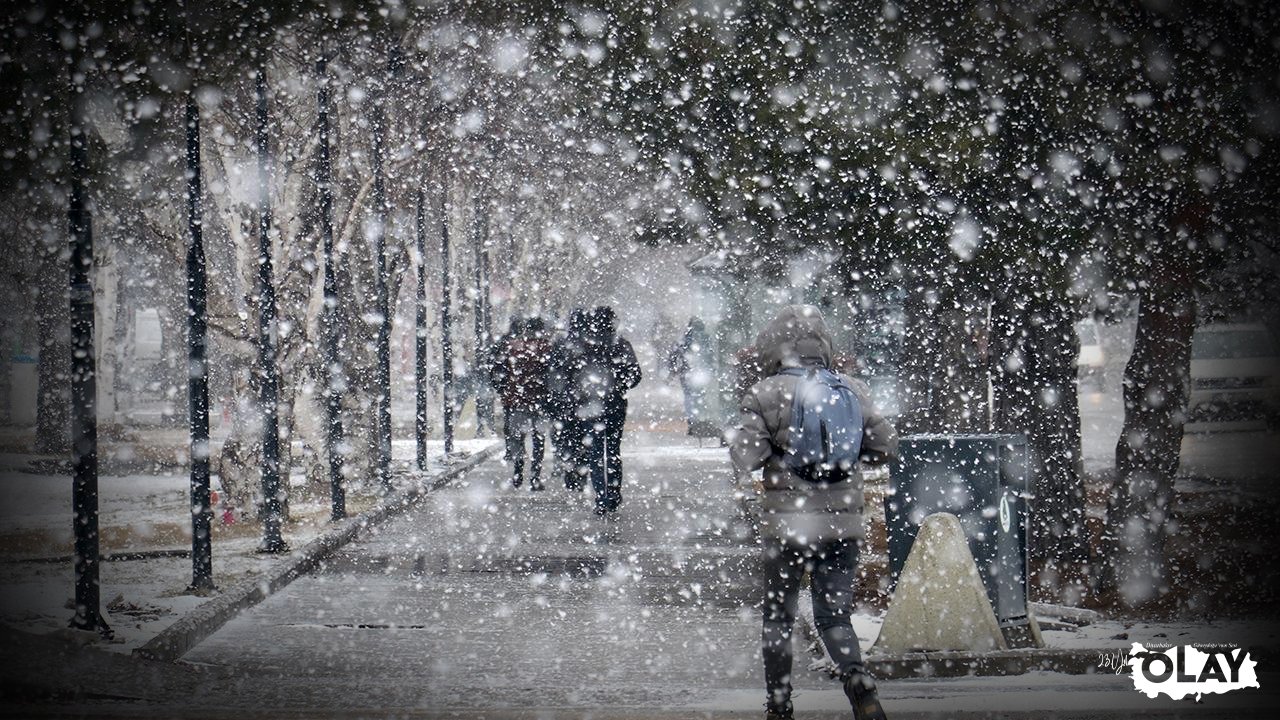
<point>793,509</point>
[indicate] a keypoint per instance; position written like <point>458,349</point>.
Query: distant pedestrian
<point>519,372</point>
<point>567,354</point>
<point>747,370</point>
<point>607,370</point>
<point>810,430</point>
<point>692,361</point>
<point>482,385</point>
<point>463,386</point>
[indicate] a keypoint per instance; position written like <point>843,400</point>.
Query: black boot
<point>861,691</point>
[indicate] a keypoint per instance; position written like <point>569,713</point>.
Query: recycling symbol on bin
<point>1005,512</point>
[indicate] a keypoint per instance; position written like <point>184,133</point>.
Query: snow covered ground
<point>143,523</point>
<point>141,597</point>
<point>146,538</point>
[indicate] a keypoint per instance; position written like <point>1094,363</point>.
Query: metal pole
<point>478,371</point>
<point>197,363</point>
<point>84,391</point>
<point>269,381</point>
<point>334,380</point>
<point>381,303</point>
<point>446,344</point>
<point>421,425</point>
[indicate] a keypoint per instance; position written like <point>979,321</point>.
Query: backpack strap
<point>796,371</point>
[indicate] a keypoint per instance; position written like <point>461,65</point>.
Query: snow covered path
<point>489,601</point>
<point>490,596</point>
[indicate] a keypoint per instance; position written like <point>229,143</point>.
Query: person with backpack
<point>606,370</point>
<point>810,431</point>
<point>519,374</point>
<point>566,430</point>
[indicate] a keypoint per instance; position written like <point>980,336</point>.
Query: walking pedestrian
<point>811,497</point>
<point>519,373</point>
<point>608,369</point>
<point>747,370</point>
<point>482,386</point>
<point>567,353</point>
<point>691,361</point>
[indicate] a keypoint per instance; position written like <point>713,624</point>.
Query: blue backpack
<point>825,437</point>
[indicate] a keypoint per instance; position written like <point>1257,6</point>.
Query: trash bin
<point>981,479</point>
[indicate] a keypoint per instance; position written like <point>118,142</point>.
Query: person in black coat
<point>566,430</point>
<point>605,372</point>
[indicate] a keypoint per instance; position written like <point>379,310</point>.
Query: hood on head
<point>798,336</point>
<point>578,323</point>
<point>603,322</point>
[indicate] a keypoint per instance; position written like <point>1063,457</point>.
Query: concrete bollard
<point>940,603</point>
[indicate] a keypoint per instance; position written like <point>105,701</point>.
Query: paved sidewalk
<point>486,601</point>
<point>487,596</point>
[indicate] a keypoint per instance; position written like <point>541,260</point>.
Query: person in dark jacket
<point>806,525</point>
<point>566,430</point>
<point>692,361</point>
<point>519,375</point>
<point>606,371</point>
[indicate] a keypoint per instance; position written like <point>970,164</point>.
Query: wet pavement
<point>485,595</point>
<point>487,601</point>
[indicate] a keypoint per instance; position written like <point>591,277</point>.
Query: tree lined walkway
<point>489,596</point>
<point>488,601</point>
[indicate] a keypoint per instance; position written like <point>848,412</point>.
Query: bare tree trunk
<point>942,369</point>
<point>285,418</point>
<point>358,354</point>
<point>959,368</point>
<point>1034,350</point>
<point>107,309</point>
<point>240,460</point>
<point>1155,397</point>
<point>919,348</point>
<point>309,424</point>
<point>173,366</point>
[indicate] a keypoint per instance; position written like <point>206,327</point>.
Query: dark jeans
<point>516,425</point>
<point>566,435</point>
<point>600,459</point>
<point>831,569</point>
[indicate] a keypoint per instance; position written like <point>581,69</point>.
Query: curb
<point>174,641</point>
<point>1068,661</point>
<point>1073,661</point>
